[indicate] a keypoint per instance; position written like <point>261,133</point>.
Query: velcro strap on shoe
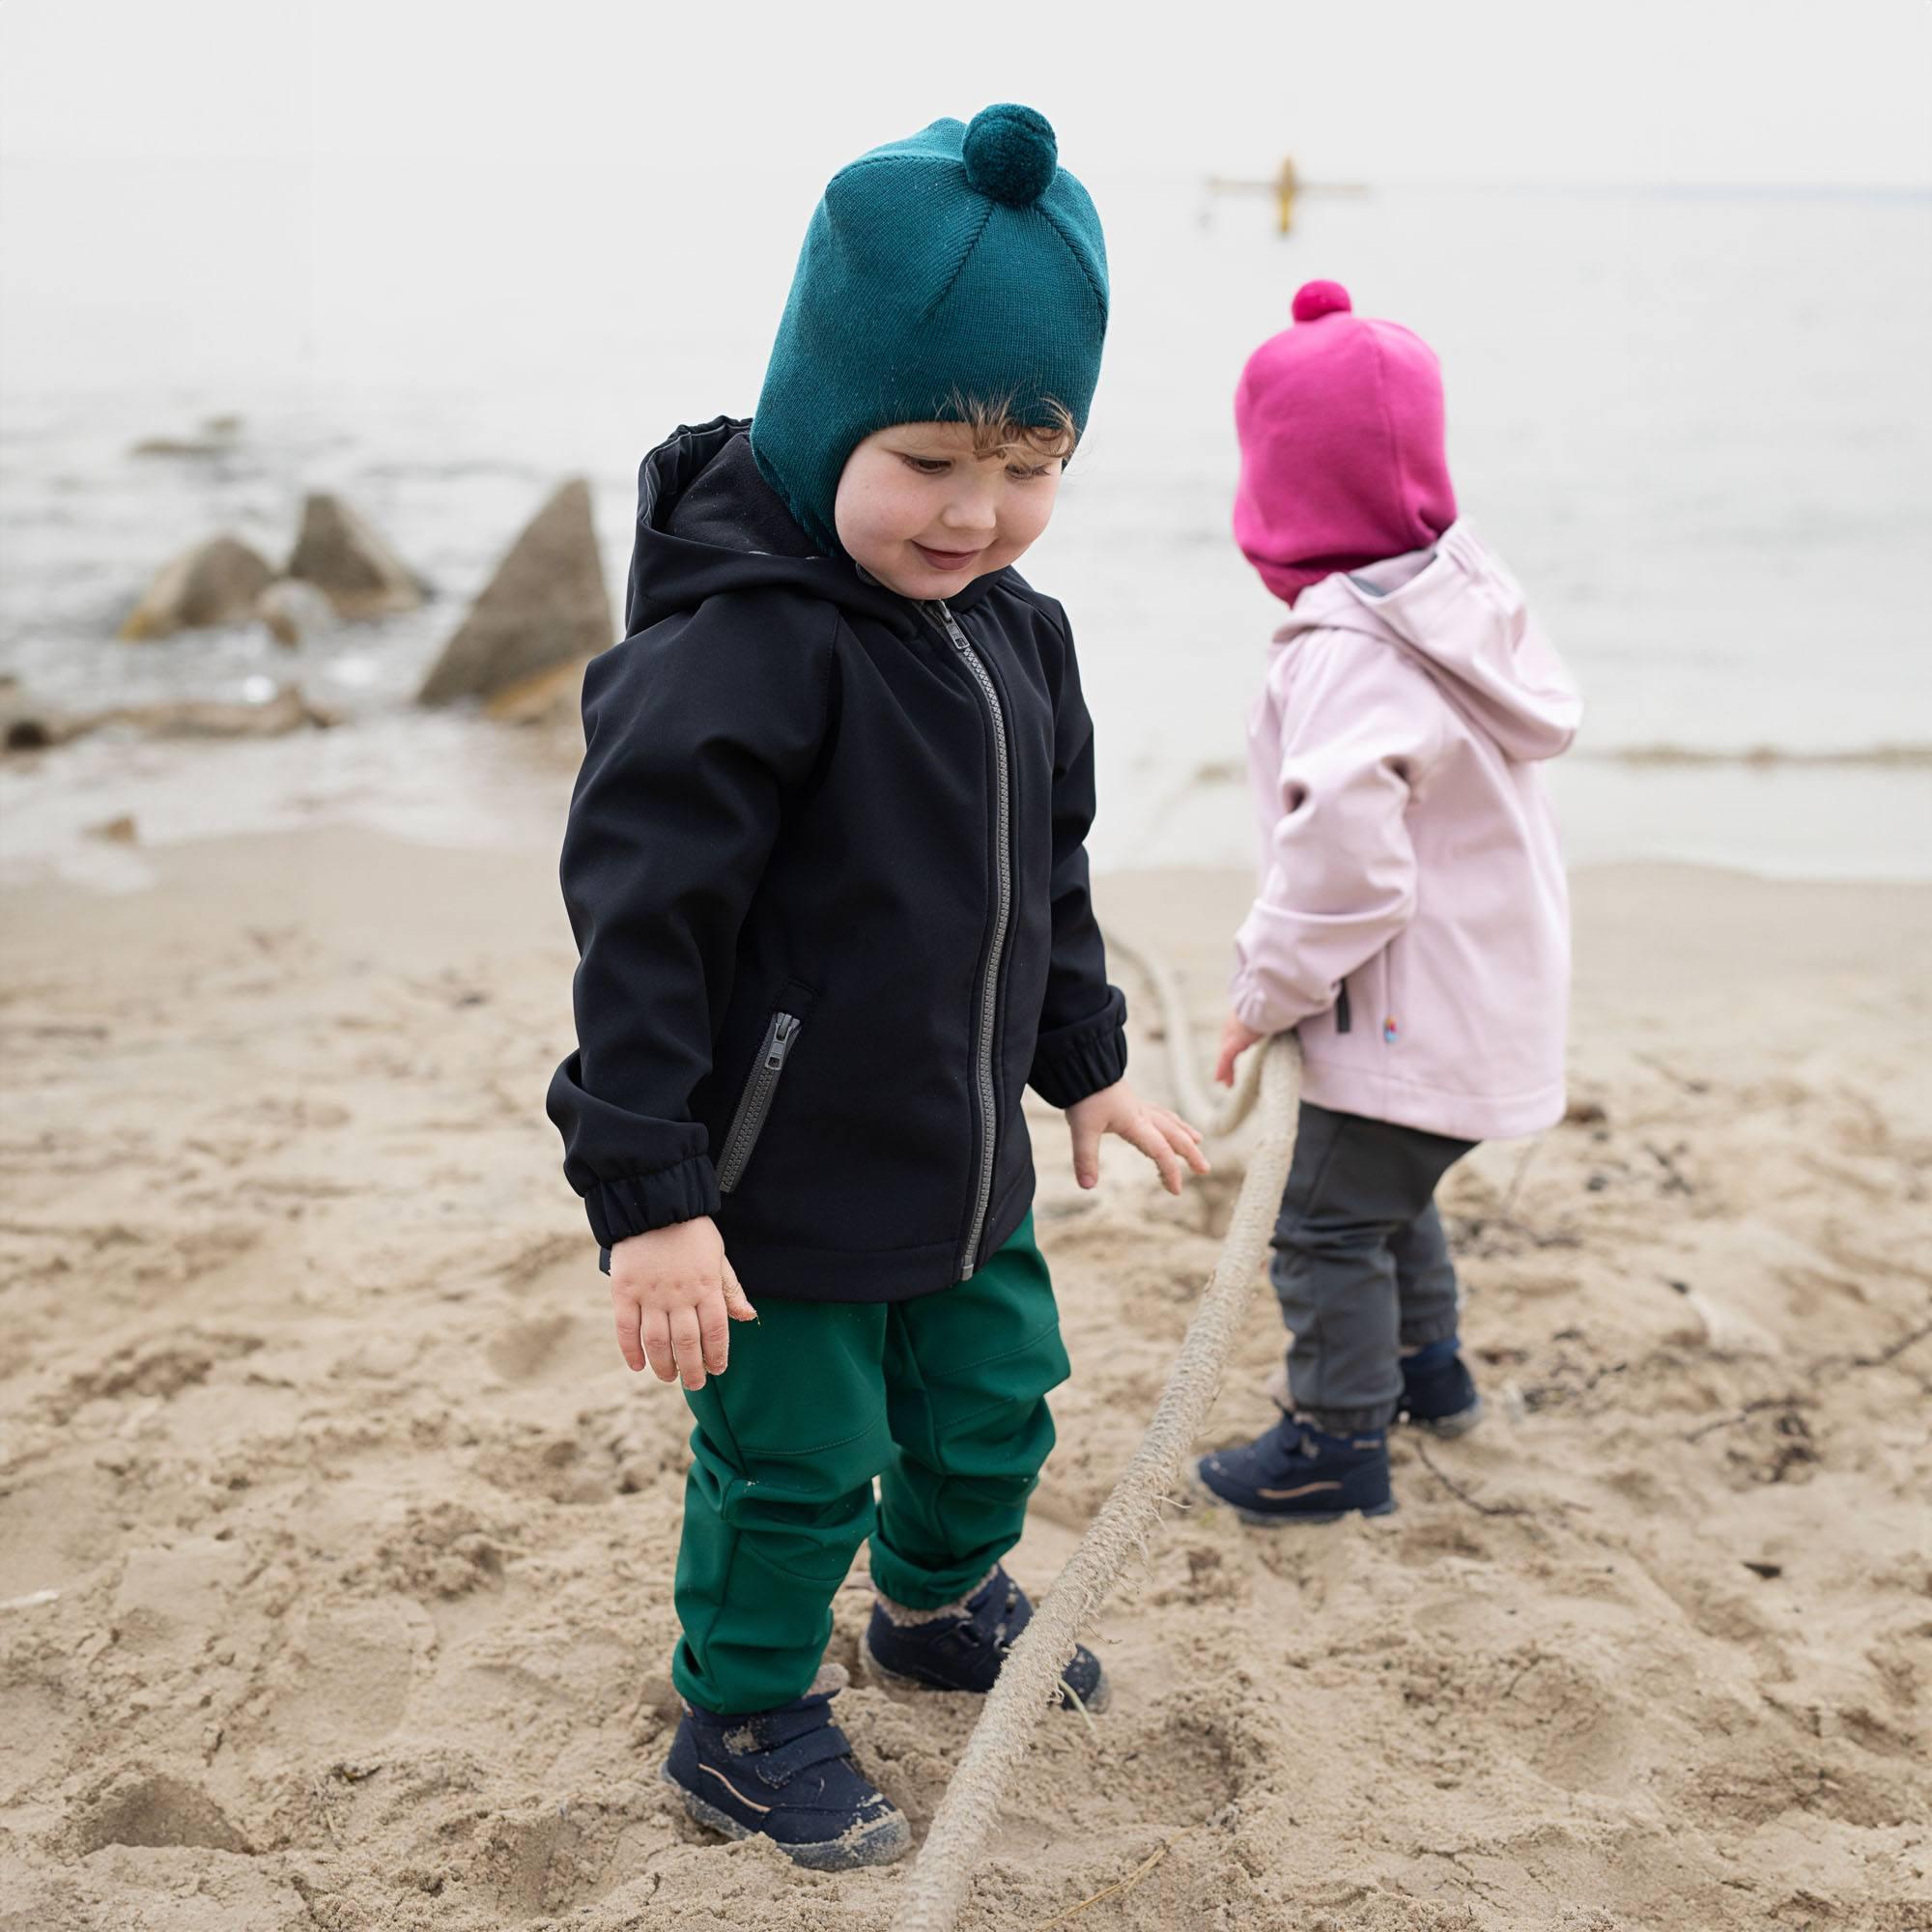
<point>778,1766</point>
<point>802,1720</point>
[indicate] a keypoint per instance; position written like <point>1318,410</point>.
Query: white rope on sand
<point>1029,1680</point>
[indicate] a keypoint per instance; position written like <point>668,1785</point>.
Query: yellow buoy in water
<point>1285,185</point>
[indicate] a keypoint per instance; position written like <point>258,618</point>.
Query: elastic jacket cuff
<point>636,1203</point>
<point>1071,1069</point>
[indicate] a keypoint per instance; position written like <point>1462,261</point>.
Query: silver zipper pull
<point>782,1036</point>
<point>955,634</point>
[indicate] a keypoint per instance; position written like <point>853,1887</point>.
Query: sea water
<point>1698,426</point>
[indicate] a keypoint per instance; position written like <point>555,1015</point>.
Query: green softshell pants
<point>943,1398</point>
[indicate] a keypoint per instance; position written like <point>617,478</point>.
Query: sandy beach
<point>335,1542</point>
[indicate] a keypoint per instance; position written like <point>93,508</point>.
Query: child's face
<point>925,516</point>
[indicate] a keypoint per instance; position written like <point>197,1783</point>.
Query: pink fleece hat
<point>1341,460</point>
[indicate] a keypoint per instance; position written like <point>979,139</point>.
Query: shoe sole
<point>896,1680</point>
<point>878,1844</point>
<point>1255,1519</point>
<point>1449,1426</point>
<point>1261,1520</point>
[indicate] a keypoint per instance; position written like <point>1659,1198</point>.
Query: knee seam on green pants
<point>958,1425</point>
<point>744,1543</point>
<point>1003,1355</point>
<point>742,1462</point>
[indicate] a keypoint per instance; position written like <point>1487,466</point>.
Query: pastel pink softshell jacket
<point>1409,852</point>
<point>1343,461</point>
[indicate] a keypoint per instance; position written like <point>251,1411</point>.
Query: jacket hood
<point>1462,616</point>
<point>708,522</point>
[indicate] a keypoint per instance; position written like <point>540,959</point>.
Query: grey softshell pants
<point>1362,1265</point>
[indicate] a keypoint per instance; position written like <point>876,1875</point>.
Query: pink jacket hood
<point>1412,916</point>
<point>1460,614</point>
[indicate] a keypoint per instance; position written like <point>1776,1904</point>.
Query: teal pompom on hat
<point>963,264</point>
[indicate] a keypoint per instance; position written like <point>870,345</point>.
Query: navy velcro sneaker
<point>1295,1474</point>
<point>962,1646</point>
<point>785,1774</point>
<point>1438,1393</point>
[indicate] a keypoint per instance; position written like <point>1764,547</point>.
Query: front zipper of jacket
<point>756,1102</point>
<point>989,990</point>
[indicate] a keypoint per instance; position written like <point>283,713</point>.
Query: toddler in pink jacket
<point>1413,920</point>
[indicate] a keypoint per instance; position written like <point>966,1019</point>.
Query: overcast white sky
<point>1653,91</point>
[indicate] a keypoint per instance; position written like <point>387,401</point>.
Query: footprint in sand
<point>151,1809</point>
<point>523,1350</point>
<point>344,1682</point>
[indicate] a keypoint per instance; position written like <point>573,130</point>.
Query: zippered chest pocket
<point>755,1105</point>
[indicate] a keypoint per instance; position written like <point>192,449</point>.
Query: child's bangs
<point>995,427</point>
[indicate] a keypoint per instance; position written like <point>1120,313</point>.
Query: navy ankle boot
<point>962,1648</point>
<point>785,1774</point>
<point>1438,1393</point>
<point>1296,1473</point>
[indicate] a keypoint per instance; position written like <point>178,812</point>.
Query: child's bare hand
<point>675,1297</point>
<point>1166,1139</point>
<point>1236,1036</point>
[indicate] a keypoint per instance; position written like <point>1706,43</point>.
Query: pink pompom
<point>1314,300</point>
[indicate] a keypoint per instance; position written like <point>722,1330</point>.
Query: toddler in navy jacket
<point>826,869</point>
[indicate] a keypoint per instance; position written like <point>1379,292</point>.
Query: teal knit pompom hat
<point>961,264</point>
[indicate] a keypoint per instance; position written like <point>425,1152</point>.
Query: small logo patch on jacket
<point>1390,1032</point>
